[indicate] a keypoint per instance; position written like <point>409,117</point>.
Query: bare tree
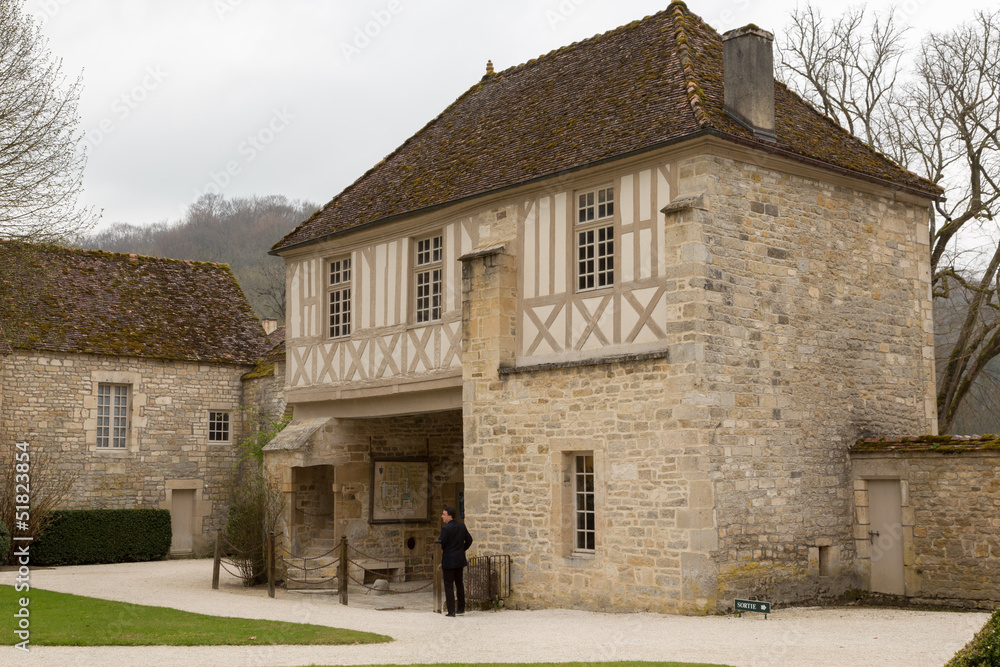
<point>41,161</point>
<point>941,119</point>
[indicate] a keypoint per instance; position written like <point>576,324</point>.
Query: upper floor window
<point>339,291</point>
<point>595,239</point>
<point>112,416</point>
<point>218,427</point>
<point>428,270</point>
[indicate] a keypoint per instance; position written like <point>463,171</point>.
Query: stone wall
<point>950,529</point>
<point>350,445</point>
<point>820,333</point>
<point>800,321</point>
<point>522,428</point>
<point>52,403</point>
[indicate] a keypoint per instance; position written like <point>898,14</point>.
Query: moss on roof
<point>942,444</point>
<point>66,300</point>
<point>632,89</point>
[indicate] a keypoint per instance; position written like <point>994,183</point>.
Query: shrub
<point>50,484</point>
<point>255,509</point>
<point>4,541</point>
<point>983,650</point>
<point>82,537</point>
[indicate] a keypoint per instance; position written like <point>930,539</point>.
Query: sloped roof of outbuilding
<point>89,301</point>
<point>942,444</point>
<point>633,89</point>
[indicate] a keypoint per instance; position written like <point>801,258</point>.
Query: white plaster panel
<point>559,252</point>
<point>662,188</point>
<point>628,257</point>
<point>625,202</point>
<point>364,298</point>
<point>381,284</point>
<point>646,260</point>
<point>295,325</point>
<point>544,245</point>
<point>449,268</point>
<point>530,255</point>
<point>645,195</point>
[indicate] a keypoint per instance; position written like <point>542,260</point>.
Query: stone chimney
<point>269,326</point>
<point>748,77</point>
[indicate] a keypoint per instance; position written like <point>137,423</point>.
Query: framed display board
<point>400,490</point>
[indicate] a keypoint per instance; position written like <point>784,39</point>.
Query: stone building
<point>127,371</point>
<point>926,522</point>
<point>627,305</point>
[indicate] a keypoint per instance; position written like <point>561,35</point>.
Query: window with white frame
<point>339,291</point>
<point>585,532</point>
<point>428,271</point>
<point>112,416</point>
<point>595,239</point>
<point>218,427</point>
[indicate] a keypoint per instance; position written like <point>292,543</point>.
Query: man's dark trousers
<point>454,575</point>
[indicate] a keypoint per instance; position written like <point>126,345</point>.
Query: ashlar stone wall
<point>820,333</point>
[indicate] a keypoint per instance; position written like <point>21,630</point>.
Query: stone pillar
<point>489,316</point>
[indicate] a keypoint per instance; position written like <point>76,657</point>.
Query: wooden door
<point>885,506</point>
<point>182,520</point>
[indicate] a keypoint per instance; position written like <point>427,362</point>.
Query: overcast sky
<point>301,97</point>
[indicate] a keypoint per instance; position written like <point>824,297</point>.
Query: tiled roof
<point>636,88</point>
<point>65,300</point>
<point>943,444</point>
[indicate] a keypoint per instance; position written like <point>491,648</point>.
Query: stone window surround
<point>563,457</point>
<point>225,425</point>
<point>200,428</point>
<point>136,411</point>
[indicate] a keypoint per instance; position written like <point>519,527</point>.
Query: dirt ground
<point>797,636</point>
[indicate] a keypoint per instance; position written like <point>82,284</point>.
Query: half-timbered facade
<point>628,321</point>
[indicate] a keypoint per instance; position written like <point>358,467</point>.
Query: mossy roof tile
<point>65,300</point>
<point>943,444</point>
<point>635,88</point>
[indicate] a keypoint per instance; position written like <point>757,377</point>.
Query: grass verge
<point>627,663</point>
<point>60,619</point>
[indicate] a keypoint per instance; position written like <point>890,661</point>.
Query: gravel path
<point>800,636</point>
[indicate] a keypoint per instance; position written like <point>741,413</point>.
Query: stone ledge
<point>583,363</point>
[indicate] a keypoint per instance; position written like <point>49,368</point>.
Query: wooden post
<point>270,564</point>
<point>342,570</point>
<point>438,577</point>
<point>217,562</point>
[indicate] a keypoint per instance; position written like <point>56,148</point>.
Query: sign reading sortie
<point>752,605</point>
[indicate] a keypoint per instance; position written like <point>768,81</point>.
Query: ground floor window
<point>583,491</point>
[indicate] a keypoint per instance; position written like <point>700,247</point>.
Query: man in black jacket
<point>455,541</point>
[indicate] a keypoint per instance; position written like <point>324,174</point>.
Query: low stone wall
<point>950,515</point>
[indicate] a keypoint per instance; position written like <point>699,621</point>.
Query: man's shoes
<point>450,615</point>
<point>461,613</point>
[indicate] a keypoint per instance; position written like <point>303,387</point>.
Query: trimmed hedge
<point>83,537</point>
<point>983,650</point>
<point>4,542</point>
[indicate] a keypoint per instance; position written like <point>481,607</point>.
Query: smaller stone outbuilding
<point>927,518</point>
<point>126,371</point>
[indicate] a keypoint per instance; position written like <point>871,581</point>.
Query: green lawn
<point>552,664</point>
<point>59,619</point>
